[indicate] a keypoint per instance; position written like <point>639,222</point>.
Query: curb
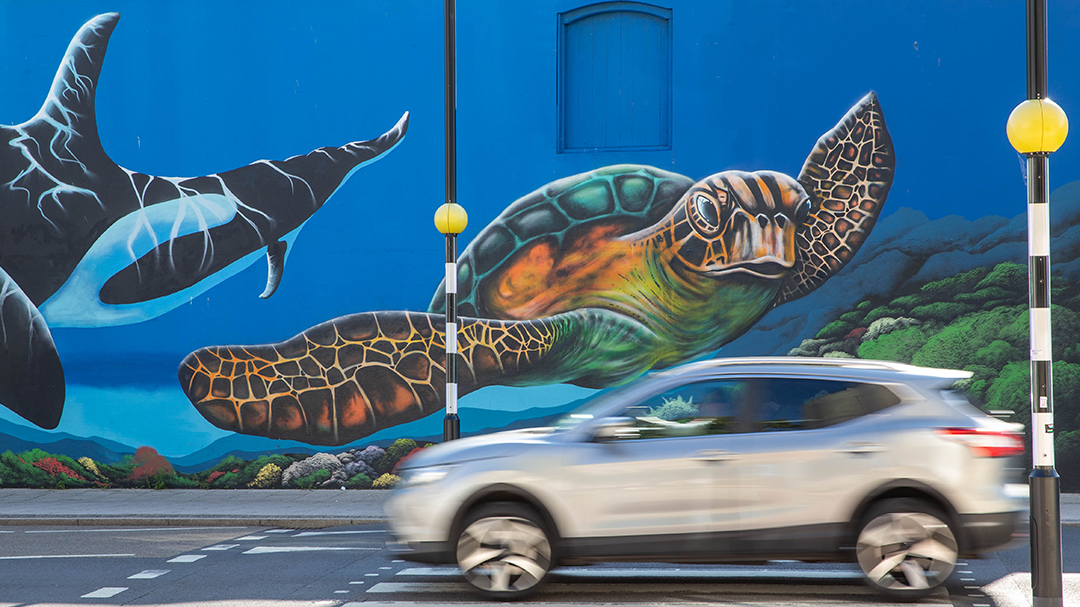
<point>212,521</point>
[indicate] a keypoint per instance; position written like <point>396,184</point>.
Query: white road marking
<point>279,549</point>
<point>342,591</point>
<point>279,530</point>
<point>61,556</point>
<point>186,558</point>
<point>311,533</point>
<point>454,587</point>
<point>756,574</point>
<point>385,567</point>
<point>111,530</point>
<point>149,574</point>
<point>251,538</point>
<point>221,547</point>
<point>371,575</point>
<point>103,593</point>
<point>437,571</point>
<point>357,582</point>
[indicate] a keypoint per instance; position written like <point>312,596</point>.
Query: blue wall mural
<point>201,88</point>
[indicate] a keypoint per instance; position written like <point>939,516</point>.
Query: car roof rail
<point>845,363</point>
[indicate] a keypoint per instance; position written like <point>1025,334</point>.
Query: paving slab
<point>186,507</point>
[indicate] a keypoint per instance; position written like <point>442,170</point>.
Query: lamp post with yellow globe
<point>451,219</point>
<point>1036,128</point>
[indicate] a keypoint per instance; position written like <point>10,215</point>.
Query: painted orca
<point>85,242</point>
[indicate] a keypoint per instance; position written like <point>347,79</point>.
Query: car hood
<point>499,444</point>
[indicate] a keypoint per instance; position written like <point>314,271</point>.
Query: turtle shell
<point>627,197</point>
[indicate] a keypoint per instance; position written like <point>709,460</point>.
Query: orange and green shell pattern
<point>591,280</point>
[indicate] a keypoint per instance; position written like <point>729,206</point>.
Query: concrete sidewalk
<point>191,507</point>
<point>221,507</point>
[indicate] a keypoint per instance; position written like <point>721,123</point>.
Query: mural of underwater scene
<point>85,242</point>
<point>591,280</point>
<point>207,90</point>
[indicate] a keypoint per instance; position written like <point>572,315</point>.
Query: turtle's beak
<point>762,245</point>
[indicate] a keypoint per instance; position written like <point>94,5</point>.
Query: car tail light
<point>986,443</point>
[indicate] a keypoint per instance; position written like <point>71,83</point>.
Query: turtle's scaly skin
<point>591,280</point>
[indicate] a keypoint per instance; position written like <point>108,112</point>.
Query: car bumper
<point>985,532</point>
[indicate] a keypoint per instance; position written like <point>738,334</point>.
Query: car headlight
<point>418,477</point>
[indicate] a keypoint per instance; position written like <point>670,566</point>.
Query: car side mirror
<point>612,429</point>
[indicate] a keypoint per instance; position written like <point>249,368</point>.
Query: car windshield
<point>599,402</point>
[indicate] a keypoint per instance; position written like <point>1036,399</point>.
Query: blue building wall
<point>193,88</point>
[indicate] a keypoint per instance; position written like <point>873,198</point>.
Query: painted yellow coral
<point>269,476</point>
<point>89,465</point>
<point>386,481</point>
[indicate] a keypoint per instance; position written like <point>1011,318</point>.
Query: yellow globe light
<point>1037,125</point>
<point>451,219</point>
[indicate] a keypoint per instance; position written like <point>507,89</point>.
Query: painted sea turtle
<point>592,280</point>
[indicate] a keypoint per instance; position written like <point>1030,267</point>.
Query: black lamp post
<point>451,219</point>
<point>1036,128</point>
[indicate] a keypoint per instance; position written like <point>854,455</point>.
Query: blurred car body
<point>726,461</point>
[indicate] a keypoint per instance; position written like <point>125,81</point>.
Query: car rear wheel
<point>906,548</point>
<point>504,551</point>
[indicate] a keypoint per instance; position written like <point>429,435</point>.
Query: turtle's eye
<point>705,211</point>
<point>802,211</point>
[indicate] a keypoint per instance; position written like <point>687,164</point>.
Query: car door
<point>667,473</point>
<point>811,444</point>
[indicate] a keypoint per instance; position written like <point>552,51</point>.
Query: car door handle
<point>714,455</point>
<point>858,447</point>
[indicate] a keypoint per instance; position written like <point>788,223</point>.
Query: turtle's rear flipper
<point>347,378</point>
<point>31,377</point>
<point>848,174</point>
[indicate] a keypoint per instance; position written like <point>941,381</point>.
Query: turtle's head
<point>736,222</point>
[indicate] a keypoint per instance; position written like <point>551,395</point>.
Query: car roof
<point>853,368</point>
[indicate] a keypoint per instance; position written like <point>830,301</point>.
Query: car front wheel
<point>503,550</point>
<point>906,548</point>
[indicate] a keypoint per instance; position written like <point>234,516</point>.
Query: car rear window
<point>805,404</point>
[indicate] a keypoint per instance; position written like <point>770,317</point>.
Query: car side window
<point>805,404</point>
<point>701,408</point>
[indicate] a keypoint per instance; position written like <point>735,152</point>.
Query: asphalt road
<point>264,567</point>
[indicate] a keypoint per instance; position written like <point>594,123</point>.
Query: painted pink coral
<point>54,467</point>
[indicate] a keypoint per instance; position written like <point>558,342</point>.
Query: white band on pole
<point>451,337</point>
<point>451,399</point>
<point>1040,334</point>
<point>1042,427</point>
<point>1038,230</point>
<point>451,277</point>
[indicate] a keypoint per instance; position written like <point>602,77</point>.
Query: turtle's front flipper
<point>31,377</point>
<point>848,174</point>
<point>347,378</point>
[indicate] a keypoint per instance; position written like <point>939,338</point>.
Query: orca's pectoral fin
<point>31,377</point>
<point>275,261</point>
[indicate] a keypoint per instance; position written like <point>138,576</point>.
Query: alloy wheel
<point>906,552</point>
<point>504,555</point>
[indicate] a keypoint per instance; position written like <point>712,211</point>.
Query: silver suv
<point>726,461</point>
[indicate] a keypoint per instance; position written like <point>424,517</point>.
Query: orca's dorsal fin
<point>70,103</point>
